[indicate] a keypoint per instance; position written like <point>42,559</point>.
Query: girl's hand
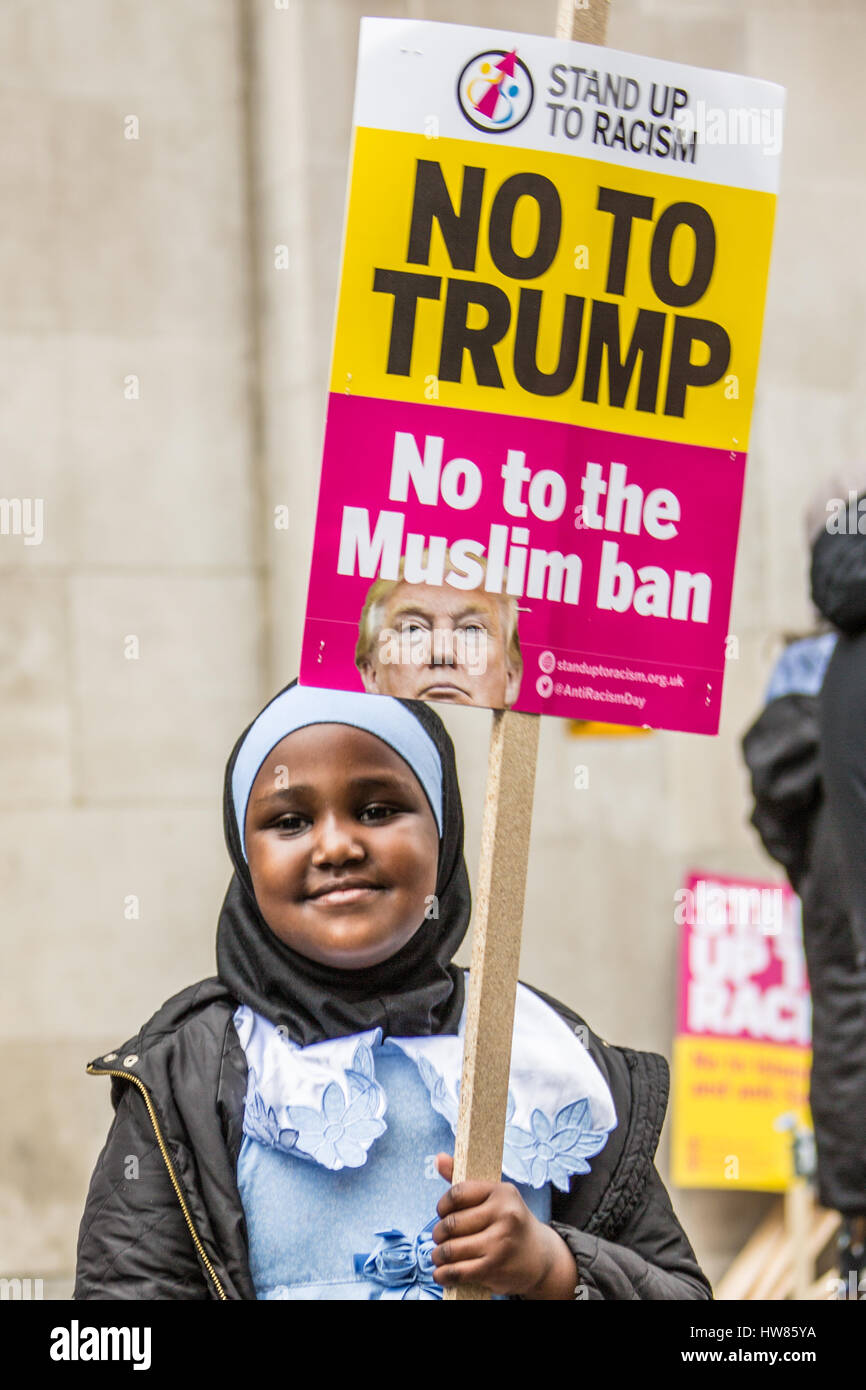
<point>488,1236</point>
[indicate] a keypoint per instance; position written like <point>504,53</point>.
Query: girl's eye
<point>291,823</point>
<point>377,813</point>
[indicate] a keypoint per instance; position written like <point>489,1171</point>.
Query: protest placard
<point>546,349</point>
<point>742,1051</point>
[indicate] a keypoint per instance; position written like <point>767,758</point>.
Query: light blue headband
<point>303,705</point>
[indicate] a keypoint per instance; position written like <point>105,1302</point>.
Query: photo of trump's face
<point>434,642</point>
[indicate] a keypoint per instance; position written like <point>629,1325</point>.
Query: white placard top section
<point>459,82</point>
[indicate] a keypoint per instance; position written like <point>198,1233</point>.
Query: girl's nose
<point>337,841</point>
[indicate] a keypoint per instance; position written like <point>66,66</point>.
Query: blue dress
<point>361,1231</point>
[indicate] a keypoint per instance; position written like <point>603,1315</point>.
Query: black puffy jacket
<point>164,1220</point>
<point>807,757</point>
<point>782,750</point>
<point>839,592</point>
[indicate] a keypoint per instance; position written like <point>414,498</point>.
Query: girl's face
<point>342,846</point>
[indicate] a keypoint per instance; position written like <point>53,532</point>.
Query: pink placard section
<point>616,554</point>
<point>742,970</point>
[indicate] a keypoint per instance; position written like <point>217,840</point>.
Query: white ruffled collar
<point>323,1102</point>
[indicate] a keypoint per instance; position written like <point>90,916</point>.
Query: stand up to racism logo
<point>495,91</point>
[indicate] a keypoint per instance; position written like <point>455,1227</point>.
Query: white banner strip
<point>445,81</point>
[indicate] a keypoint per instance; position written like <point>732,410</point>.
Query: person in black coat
<point>839,592</point>
<point>204,1153</point>
<point>807,756</point>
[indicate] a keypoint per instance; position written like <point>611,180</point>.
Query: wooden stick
<point>585,20</point>
<point>775,1277</point>
<point>495,954</point>
<point>819,1230</point>
<point>798,1222</point>
<point>764,1268</point>
<point>740,1276</point>
<point>767,1249</point>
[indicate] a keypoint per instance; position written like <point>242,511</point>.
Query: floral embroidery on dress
<point>339,1135</point>
<point>402,1265</point>
<point>549,1151</point>
<point>554,1150</point>
<point>339,1105</point>
<point>261,1122</point>
<point>443,1102</point>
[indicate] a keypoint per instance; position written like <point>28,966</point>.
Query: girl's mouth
<point>341,894</point>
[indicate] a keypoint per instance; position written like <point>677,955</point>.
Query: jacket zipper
<point>128,1076</point>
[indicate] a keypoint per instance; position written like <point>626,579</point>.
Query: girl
<point>282,1130</point>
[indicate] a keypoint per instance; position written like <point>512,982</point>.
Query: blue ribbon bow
<point>403,1266</point>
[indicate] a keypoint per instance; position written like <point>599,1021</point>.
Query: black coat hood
<point>839,575</point>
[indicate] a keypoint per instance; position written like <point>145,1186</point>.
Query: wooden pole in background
<point>502,879</point>
<point>798,1223</point>
<point>585,20</point>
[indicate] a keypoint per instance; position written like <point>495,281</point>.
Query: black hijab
<point>413,994</point>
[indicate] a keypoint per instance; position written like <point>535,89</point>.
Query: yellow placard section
<point>592,728</point>
<point>380,215</point>
<point>729,1097</point>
